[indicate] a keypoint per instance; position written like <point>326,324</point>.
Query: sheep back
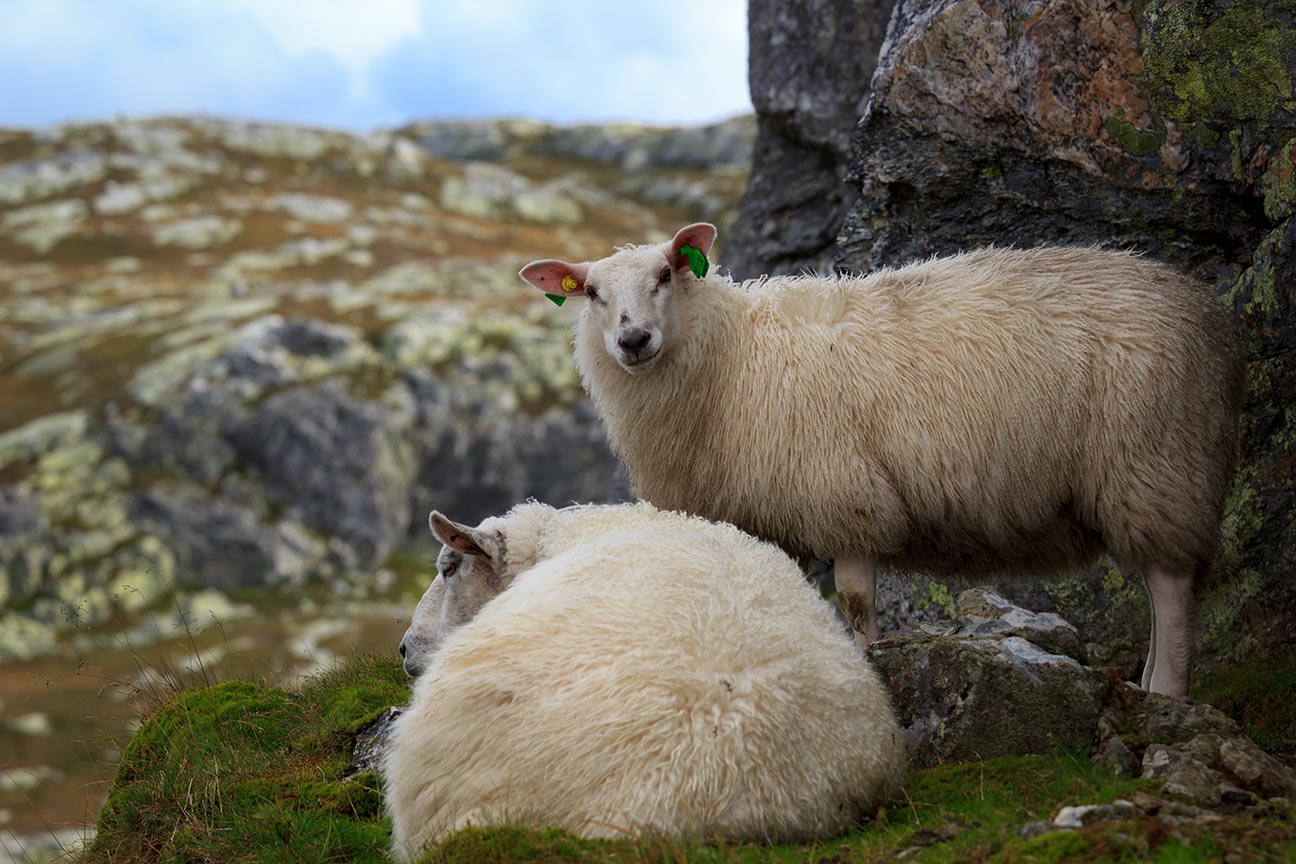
<point>680,679</point>
<point>997,410</point>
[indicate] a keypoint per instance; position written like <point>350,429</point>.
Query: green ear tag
<point>698,262</point>
<point>557,301</point>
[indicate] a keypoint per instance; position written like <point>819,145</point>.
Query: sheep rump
<point>996,411</point>
<point>674,676</point>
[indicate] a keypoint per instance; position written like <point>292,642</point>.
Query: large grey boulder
<point>24,549</point>
<point>1018,123</point>
<point>809,67</point>
<point>222,544</point>
<point>344,464</point>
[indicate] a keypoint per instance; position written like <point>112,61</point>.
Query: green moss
<point>1232,68</point>
<point>939,595</point>
<point>1278,183</point>
<point>1112,580</point>
<point>1136,141</point>
<point>237,713</point>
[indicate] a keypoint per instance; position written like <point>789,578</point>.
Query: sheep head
<point>470,572</point>
<point>630,294</point>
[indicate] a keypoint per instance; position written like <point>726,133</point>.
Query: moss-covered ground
<point>1261,697</point>
<point>241,772</point>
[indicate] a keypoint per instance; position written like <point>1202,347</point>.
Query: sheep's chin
<point>641,366</point>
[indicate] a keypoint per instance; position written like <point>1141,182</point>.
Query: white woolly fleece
<point>997,410</point>
<point>658,673</point>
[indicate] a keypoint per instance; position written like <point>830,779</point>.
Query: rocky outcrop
<point>990,683</point>
<point>1000,679</point>
<point>809,70</point>
<point>631,147</point>
<point>1200,754</point>
<point>1252,607</point>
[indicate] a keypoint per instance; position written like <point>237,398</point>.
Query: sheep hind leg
<point>1172,610</point>
<point>1146,681</point>
<point>856,579</point>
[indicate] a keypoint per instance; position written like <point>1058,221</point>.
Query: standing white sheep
<point>618,669</point>
<point>997,411</point>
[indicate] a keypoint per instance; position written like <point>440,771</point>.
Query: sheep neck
<point>680,395</point>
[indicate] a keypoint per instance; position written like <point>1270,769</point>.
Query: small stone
<point>1071,817</point>
<point>1036,829</point>
<point>199,232</point>
<point>1231,794</point>
<point>371,742</point>
<point>35,723</point>
<point>1116,756</point>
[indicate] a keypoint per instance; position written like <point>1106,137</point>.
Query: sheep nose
<point>634,340</point>
<point>402,647</point>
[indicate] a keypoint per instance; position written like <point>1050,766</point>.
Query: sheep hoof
<point>859,612</point>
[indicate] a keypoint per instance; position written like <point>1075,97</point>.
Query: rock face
<point>809,70</point>
<point>1168,127</point>
<point>1021,123</point>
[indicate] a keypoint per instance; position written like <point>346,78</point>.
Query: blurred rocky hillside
<point>240,354</point>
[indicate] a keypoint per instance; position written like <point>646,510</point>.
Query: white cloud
<point>353,33</point>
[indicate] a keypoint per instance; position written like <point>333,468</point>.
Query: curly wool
<point>650,672</point>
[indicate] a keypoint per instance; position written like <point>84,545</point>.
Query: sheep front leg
<point>1172,612</point>
<point>856,579</point>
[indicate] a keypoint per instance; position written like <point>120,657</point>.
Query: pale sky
<point>361,64</point>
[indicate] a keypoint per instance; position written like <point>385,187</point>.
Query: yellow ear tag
<point>568,284</point>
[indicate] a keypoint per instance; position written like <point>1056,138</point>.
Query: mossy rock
<point>1226,63</point>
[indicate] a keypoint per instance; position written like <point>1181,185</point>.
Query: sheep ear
<point>460,538</point>
<point>699,235</point>
<point>557,279</point>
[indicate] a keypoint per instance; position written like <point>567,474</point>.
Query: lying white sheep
<point>1001,410</point>
<point>619,669</point>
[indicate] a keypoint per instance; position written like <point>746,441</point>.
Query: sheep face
<point>630,295</point>
<point>469,574</point>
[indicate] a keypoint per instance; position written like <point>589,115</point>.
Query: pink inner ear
<point>700,236</point>
<point>548,276</point>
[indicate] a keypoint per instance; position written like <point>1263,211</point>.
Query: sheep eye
<point>591,293</point>
<point>448,570</point>
<point>664,277</point>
